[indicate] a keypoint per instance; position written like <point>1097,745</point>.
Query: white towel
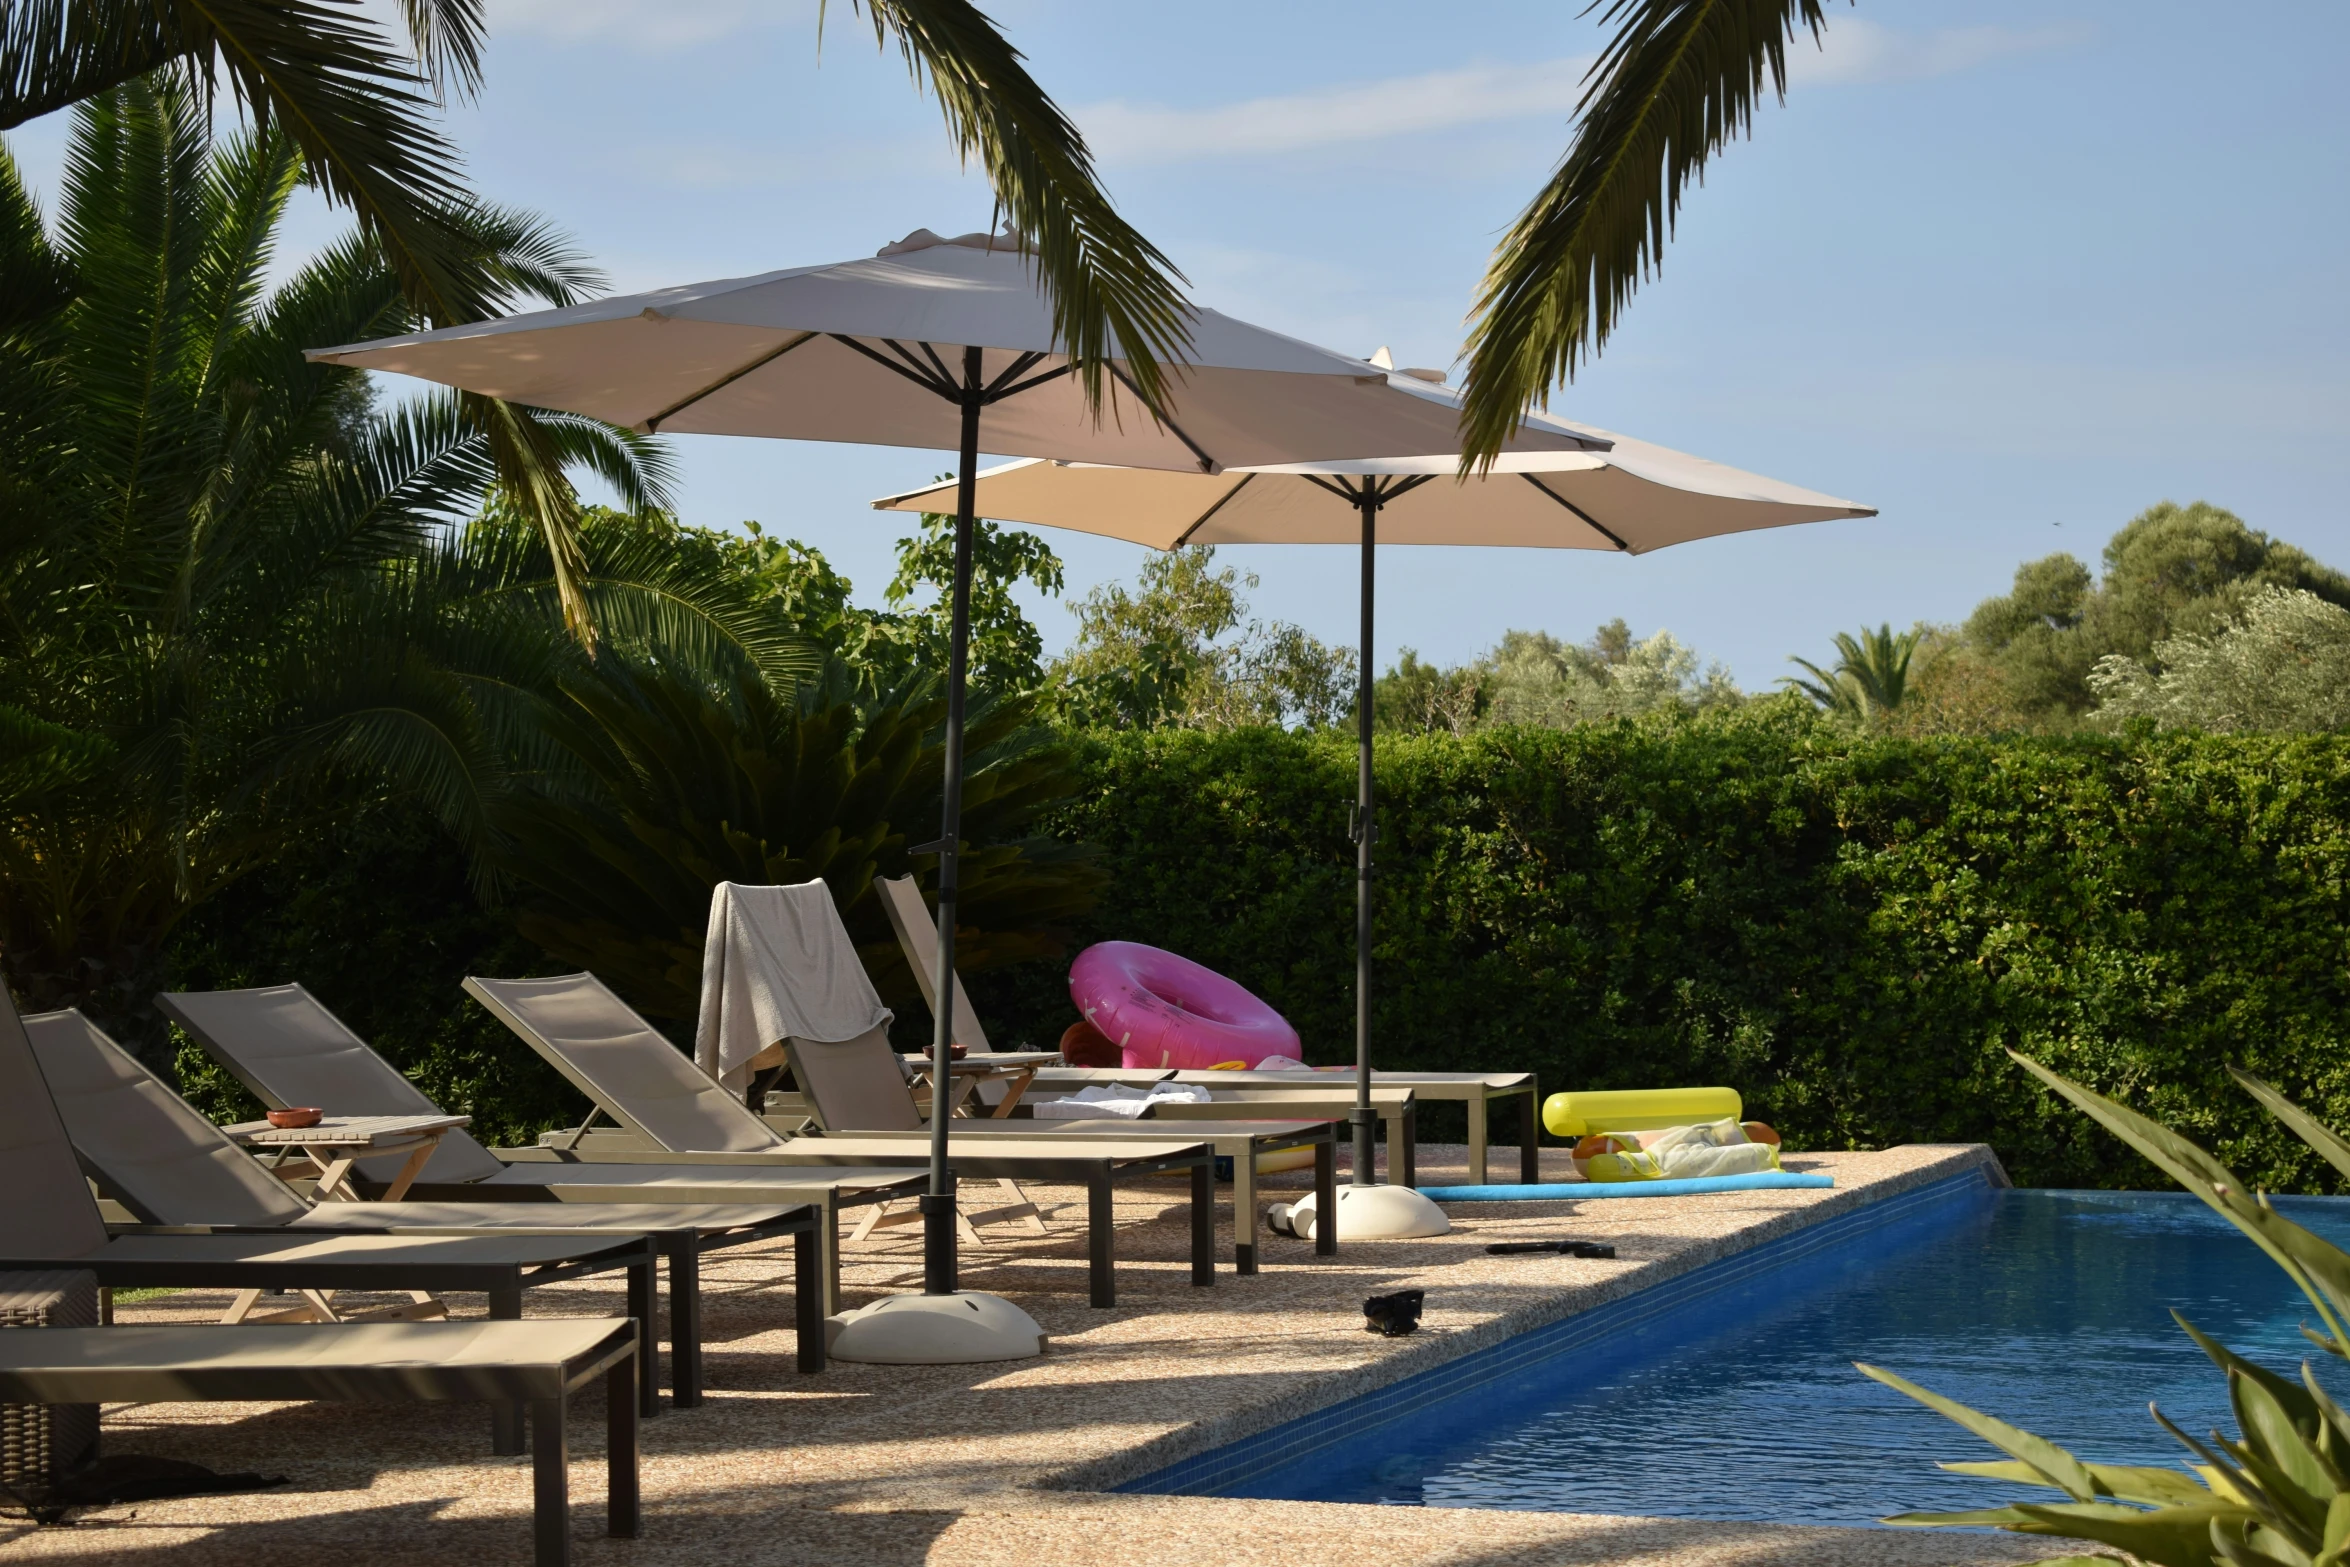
<point>1119,1100</point>
<point>777,964</point>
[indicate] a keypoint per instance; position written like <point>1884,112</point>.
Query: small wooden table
<point>1014,1068</point>
<point>336,1142</point>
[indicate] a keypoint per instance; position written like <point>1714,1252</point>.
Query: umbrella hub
<point>924,239</point>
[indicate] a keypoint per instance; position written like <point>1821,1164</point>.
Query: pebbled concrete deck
<point>999,1465</point>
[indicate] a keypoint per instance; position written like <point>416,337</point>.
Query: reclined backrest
<point>623,1064</point>
<point>289,1050</point>
<point>854,1085</point>
<point>149,1148</point>
<point>917,929</point>
<point>46,1210</point>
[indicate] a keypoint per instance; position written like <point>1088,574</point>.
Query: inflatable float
<point>1164,1011</point>
<point>1637,1109</point>
<point>1762,1181</point>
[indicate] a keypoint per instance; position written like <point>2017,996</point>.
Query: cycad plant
<point>678,779</point>
<point>219,587</point>
<point>2275,1495</point>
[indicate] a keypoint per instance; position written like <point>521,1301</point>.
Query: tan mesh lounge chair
<point>539,1363</point>
<point>668,1103</point>
<point>669,1109</point>
<point>154,1153</point>
<point>1476,1092</point>
<point>288,1050</point>
<point>50,1220</point>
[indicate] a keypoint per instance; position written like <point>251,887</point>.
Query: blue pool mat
<point>1760,1181</point>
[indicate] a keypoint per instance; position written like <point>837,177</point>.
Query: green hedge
<point>1846,930</point>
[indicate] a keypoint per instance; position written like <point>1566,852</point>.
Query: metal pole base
<point>965,1328</point>
<point>938,1240</point>
<point>1366,1161</point>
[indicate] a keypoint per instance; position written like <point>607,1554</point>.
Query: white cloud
<point>1856,50</point>
<point>1122,132</point>
<point>660,24</point>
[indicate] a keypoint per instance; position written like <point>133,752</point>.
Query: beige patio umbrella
<point>1628,498</point>
<point>930,342</point>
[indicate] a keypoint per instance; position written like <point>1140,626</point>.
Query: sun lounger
<point>539,1363</point>
<point>910,917</point>
<point>289,1050</point>
<point>670,1109</point>
<point>50,1220</point>
<point>154,1153</point>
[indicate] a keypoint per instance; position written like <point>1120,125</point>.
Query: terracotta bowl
<point>287,1120</point>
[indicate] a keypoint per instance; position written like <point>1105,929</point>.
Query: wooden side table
<point>336,1142</point>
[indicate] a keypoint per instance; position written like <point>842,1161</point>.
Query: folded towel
<point>777,964</point>
<point>1119,1100</point>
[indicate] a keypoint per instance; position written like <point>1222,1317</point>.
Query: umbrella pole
<point>938,1204</point>
<point>1366,834</point>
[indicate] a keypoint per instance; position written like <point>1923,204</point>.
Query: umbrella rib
<point>1585,517</point>
<point>1020,366</point>
<point>930,354</point>
<point>1207,464</point>
<point>1339,490</point>
<point>1029,384</point>
<point>1201,520</point>
<point>653,425</point>
<point>1404,486</point>
<point>912,372</point>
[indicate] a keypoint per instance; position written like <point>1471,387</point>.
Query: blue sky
<point>2008,271</point>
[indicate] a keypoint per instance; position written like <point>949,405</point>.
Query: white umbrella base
<point>1371,1213</point>
<point>961,1329</point>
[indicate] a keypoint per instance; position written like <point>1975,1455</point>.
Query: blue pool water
<point>2047,1308</point>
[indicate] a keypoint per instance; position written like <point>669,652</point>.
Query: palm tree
<point>225,609</point>
<point>359,114</point>
<point>1674,85</point>
<point>1871,676</point>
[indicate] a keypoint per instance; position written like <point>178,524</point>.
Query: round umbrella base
<point>1374,1213</point>
<point>961,1329</point>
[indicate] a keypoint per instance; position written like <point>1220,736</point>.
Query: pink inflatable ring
<point>1162,1010</point>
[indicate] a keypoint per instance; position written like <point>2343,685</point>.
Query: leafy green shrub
<point>380,922</point>
<point>1847,929</point>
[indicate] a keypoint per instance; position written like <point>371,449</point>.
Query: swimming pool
<point>1730,1393</point>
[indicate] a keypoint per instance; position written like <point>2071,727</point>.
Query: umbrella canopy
<point>932,342</point>
<point>872,352</point>
<point>1632,498</point>
<point>1622,495</point>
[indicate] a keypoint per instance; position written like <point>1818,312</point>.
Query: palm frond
<point>1676,83</point>
<point>1114,294</point>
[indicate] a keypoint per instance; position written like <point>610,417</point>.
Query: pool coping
<point>1261,1427</point>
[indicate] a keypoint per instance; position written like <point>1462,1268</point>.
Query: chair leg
<point>644,1305</point>
<point>1203,1225</point>
<point>550,1480</point>
<point>807,1287</point>
<point>1016,1198</point>
<point>685,1319</point>
<point>1478,1137</point>
<point>871,1221</point>
<point>1244,1210</point>
<point>1407,1131</point>
<point>623,1507</point>
<point>1530,1137</point>
<point>1325,1200</point>
<point>1100,1228</point>
<point>506,1414</point>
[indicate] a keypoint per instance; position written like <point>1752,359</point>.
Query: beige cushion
<point>622,1063</point>
<point>855,1085</point>
<point>46,1210</point>
<point>367,1362</point>
<point>289,1050</point>
<point>148,1146</point>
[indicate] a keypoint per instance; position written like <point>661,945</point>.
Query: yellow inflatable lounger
<point>1637,1109</point>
